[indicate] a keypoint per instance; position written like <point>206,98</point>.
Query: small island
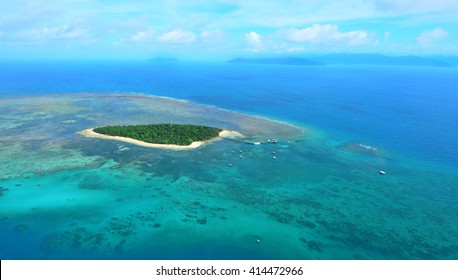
<point>174,136</point>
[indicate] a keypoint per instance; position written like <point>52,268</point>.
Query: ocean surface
<point>317,194</point>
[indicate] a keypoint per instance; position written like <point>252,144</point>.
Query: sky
<point>205,29</point>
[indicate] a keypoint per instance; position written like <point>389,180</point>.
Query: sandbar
<point>223,134</point>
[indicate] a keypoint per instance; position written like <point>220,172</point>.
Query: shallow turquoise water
<point>65,196</point>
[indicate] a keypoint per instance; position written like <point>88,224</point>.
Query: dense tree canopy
<point>178,134</point>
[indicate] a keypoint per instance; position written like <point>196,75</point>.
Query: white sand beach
<point>225,133</point>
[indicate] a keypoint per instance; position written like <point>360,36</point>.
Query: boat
<point>272,141</point>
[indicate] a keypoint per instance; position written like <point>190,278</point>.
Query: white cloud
<point>429,36</point>
<point>211,35</point>
<point>63,32</point>
<point>138,37</point>
<point>295,49</point>
<point>326,34</point>
<point>177,37</point>
<point>253,40</point>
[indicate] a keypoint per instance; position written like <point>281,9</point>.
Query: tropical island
<point>174,136</point>
<point>353,59</point>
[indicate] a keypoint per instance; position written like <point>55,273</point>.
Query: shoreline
<point>225,133</point>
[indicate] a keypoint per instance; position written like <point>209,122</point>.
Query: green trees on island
<point>178,134</point>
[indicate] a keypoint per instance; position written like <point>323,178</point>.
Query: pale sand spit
<point>225,133</point>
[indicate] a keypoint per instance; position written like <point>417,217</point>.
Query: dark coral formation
<point>202,221</point>
<point>2,190</point>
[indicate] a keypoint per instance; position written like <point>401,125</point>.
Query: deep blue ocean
<point>63,196</point>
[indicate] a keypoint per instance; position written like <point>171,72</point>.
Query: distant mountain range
<point>378,59</point>
<point>354,59</point>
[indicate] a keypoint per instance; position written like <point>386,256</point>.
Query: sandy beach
<point>225,133</point>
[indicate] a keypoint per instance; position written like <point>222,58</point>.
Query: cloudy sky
<point>200,29</point>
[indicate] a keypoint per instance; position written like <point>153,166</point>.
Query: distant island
<point>279,60</point>
<point>174,136</point>
<point>352,59</point>
<point>379,59</point>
